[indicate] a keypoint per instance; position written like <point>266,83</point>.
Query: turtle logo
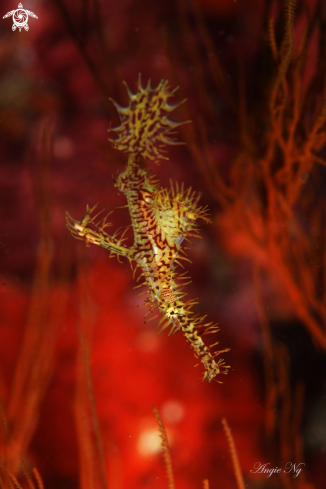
<point>20,18</point>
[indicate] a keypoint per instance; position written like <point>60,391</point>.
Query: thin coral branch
<point>38,478</point>
<point>34,366</point>
<point>91,450</point>
<point>234,455</point>
<point>285,51</point>
<point>165,449</point>
<point>271,38</point>
<point>25,471</point>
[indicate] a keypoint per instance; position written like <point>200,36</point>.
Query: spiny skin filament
<point>161,220</point>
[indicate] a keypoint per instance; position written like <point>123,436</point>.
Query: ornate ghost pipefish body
<point>161,220</point>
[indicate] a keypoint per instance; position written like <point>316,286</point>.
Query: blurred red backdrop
<point>54,87</point>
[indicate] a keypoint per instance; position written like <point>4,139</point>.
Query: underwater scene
<point>163,244</point>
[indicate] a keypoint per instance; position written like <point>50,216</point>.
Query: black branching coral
<point>161,220</point>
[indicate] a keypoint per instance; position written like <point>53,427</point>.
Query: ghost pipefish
<point>161,220</point>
